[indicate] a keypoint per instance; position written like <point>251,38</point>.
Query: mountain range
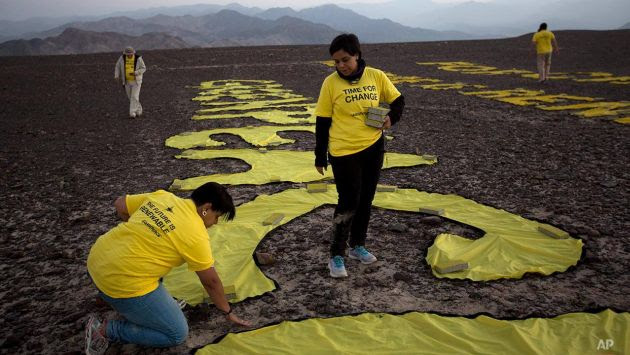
<point>368,30</point>
<point>208,25</point>
<point>74,41</point>
<point>228,28</point>
<point>501,18</point>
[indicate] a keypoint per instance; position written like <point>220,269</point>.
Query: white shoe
<point>95,342</point>
<point>133,115</point>
<point>360,253</point>
<point>337,267</point>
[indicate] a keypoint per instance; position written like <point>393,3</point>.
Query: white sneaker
<point>361,254</point>
<point>337,267</point>
<point>133,115</point>
<point>95,342</point>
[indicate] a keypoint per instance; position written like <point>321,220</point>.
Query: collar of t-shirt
<point>356,76</point>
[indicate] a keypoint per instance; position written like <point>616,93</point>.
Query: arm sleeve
<point>322,131</point>
<point>396,109</point>
<point>388,92</point>
<point>117,69</point>
<point>141,67</point>
<point>199,257</point>
<point>134,202</point>
<point>324,106</point>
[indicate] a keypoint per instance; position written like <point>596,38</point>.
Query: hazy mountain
<point>585,14</point>
<point>75,41</point>
<point>625,27</point>
<point>405,12</point>
<point>14,29</point>
<point>193,10</point>
<point>288,30</point>
<point>125,25</point>
<point>501,18</point>
<point>249,30</point>
<point>226,28</point>
<point>368,30</point>
<point>492,19</point>
<point>277,12</point>
<point>40,27</point>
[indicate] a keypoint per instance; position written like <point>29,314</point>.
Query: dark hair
<point>349,42</point>
<point>543,26</point>
<point>217,195</point>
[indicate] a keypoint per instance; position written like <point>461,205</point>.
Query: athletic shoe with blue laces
<point>337,267</point>
<point>361,254</point>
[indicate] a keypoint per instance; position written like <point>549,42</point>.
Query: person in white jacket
<point>128,72</point>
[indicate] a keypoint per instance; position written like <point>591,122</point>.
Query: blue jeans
<point>154,319</point>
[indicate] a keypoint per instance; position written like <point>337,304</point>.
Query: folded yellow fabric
<point>606,332</point>
<point>274,165</point>
<point>511,246</point>
<point>260,136</point>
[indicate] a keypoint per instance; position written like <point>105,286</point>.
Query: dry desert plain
<point>68,150</point>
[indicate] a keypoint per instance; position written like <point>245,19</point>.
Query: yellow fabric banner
<point>275,165</point>
<point>606,332</point>
<point>510,247</point>
<point>260,136</point>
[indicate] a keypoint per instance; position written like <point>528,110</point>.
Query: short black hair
<point>349,42</point>
<point>543,26</point>
<point>217,195</point>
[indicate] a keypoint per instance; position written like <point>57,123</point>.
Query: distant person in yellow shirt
<point>159,231</point>
<point>542,42</point>
<point>128,72</point>
<point>355,150</point>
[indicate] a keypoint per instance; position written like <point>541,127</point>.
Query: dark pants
<point>356,177</point>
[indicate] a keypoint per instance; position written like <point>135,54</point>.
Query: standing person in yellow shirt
<point>542,44</point>
<point>128,72</point>
<point>355,150</point>
<point>159,231</point>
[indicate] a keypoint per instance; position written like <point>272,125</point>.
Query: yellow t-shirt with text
<point>129,68</point>
<point>347,104</point>
<point>163,231</point>
<point>543,41</point>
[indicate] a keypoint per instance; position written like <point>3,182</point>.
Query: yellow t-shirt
<point>129,68</point>
<point>543,41</point>
<point>163,231</point>
<point>347,104</point>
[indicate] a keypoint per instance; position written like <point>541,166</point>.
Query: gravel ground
<point>68,150</point>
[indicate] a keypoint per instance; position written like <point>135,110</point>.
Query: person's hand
<point>320,169</point>
<point>133,74</point>
<point>387,124</point>
<point>236,320</point>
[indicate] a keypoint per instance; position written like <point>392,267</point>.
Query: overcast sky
<point>22,9</point>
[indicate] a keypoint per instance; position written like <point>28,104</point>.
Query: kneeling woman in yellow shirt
<point>355,150</point>
<point>159,231</point>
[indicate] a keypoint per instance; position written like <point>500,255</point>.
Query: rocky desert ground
<point>69,149</point>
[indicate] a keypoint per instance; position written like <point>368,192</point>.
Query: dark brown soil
<point>68,150</point>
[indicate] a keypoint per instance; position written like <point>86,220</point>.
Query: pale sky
<point>23,9</point>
